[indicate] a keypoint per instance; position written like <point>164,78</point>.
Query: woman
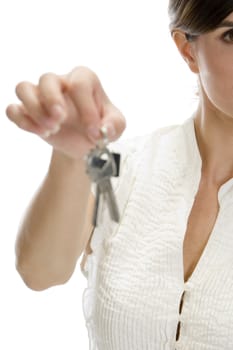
<point>162,278</point>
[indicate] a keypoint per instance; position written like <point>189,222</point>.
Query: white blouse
<point>135,272</point>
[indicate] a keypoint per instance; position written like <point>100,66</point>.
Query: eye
<point>228,36</point>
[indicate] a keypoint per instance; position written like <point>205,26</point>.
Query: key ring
<point>104,141</point>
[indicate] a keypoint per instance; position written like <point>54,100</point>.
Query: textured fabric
<point>135,273</point>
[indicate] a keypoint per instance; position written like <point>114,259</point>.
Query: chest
<point>200,225</point>
<point>138,283</point>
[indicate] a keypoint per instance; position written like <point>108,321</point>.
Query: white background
<point>127,43</point>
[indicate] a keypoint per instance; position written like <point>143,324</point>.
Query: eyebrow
<point>225,24</point>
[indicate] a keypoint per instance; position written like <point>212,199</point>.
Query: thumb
<point>114,121</point>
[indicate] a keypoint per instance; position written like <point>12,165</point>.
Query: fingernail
<point>55,129</point>
<point>58,112</point>
<point>111,132</point>
<point>93,132</point>
<point>49,123</point>
<point>46,134</point>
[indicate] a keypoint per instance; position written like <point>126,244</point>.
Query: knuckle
<point>8,110</point>
<point>49,89</point>
<point>50,99</point>
<point>83,70</point>
<point>82,77</point>
<point>12,112</point>
<point>122,123</point>
<point>78,84</point>
<point>20,88</point>
<point>9,113</point>
<point>45,77</point>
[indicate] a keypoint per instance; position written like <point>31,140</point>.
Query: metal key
<point>105,188</point>
<point>101,166</point>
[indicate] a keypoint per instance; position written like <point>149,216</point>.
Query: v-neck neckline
<point>195,172</point>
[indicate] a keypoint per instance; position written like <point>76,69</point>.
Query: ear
<point>186,49</point>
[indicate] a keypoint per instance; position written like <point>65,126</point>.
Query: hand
<point>67,111</point>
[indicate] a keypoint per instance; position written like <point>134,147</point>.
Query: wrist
<point>63,163</point>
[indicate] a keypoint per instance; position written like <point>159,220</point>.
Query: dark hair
<point>196,17</point>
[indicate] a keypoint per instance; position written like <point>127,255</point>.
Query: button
<point>178,331</point>
<point>180,311</point>
<point>181,302</point>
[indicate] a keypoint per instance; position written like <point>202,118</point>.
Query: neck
<point>214,133</point>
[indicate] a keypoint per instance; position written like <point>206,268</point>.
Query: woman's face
<point>213,53</point>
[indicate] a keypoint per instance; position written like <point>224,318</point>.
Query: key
<point>105,187</point>
<point>97,206</point>
<point>101,166</point>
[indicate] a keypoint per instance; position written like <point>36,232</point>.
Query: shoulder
<point>135,145</point>
<point>167,145</point>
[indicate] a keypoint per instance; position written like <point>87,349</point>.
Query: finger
<point>51,95</point>
<point>81,93</point>
<point>17,114</point>
<point>28,94</point>
<point>114,121</point>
